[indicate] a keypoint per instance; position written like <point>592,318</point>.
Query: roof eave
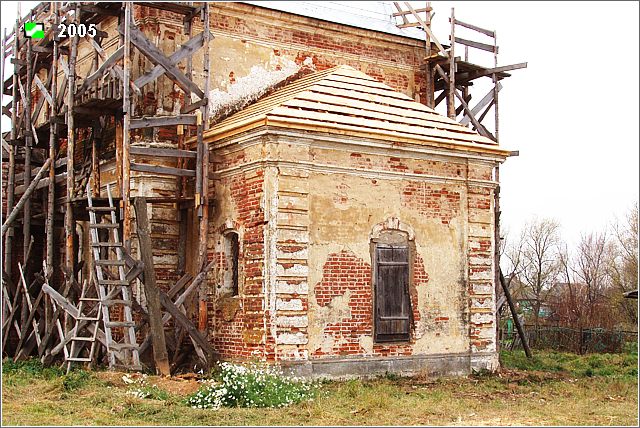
<point>214,135</point>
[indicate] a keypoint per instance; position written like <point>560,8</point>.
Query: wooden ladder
<point>78,341</point>
<point>115,295</point>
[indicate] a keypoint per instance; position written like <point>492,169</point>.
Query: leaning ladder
<point>78,341</point>
<point>114,294</point>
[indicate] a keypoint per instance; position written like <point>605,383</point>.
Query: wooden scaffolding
<point>61,122</point>
<point>53,181</point>
<point>452,77</point>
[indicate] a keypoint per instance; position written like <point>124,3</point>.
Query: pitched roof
<point>342,100</point>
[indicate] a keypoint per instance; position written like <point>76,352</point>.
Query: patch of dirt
<point>470,420</point>
<point>176,385</point>
<point>180,385</point>
<point>516,376</point>
<point>512,379</point>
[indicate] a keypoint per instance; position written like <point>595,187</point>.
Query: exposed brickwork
<point>481,273</point>
<point>345,274</point>
<point>239,331</point>
<point>432,201</point>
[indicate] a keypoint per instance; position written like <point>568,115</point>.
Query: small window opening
<point>233,254</point>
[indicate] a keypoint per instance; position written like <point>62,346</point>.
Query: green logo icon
<point>34,30</point>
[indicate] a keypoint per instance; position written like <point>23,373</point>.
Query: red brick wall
<point>345,272</point>
<point>431,201</point>
<point>238,336</point>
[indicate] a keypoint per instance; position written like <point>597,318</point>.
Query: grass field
<point>551,389</point>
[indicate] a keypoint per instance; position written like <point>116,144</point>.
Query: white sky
<point>572,114</point>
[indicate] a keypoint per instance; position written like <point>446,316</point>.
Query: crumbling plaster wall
<point>238,325</point>
<point>246,36</point>
<point>332,195</point>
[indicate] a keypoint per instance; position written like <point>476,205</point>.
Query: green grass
<point>608,365</point>
<point>550,389</point>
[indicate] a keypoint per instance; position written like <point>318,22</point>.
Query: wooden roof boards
<point>345,101</point>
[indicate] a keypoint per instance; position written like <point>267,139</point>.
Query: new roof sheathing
<point>343,100</point>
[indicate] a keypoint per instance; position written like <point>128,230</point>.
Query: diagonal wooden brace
<point>151,51</point>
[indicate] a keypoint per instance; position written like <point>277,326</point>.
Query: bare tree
<point>540,263</point>
<point>623,263</point>
<point>569,302</point>
<point>510,264</point>
<point>593,252</point>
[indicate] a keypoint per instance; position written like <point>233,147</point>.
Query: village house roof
<point>345,101</point>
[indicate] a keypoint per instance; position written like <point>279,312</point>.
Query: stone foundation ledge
<point>455,364</point>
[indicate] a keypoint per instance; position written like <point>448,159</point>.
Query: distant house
<point>525,301</point>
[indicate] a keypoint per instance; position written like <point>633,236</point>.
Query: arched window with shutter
<point>391,275</point>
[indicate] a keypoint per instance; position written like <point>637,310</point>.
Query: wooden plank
<point>12,313</point>
<point>32,308</point>
<point>357,80</point>
<point>30,319</point>
<point>43,90</point>
<point>99,10</point>
<point>440,98</point>
<point>156,169</point>
<point>185,51</point>
<point>151,289</point>
<point>193,106</point>
<point>104,67</point>
<point>179,285</point>
<point>127,111</point>
<point>489,71</point>
<point>381,120</point>
<point>25,197</point>
<point>408,12</point>
<point>64,67</point>
<point>483,144</point>
<point>389,93</point>
<point>466,108</point>
<point>409,25</point>
<point>424,26</point>
<point>204,168</point>
<point>69,219</point>
<point>407,112</point>
<point>59,178</point>
<point>116,71</point>
<point>475,28</point>
<point>483,102</point>
<point>158,121</point>
<point>154,54</point>
<point>186,324</point>
<point>477,45</point>
<point>169,153</point>
<point>189,16</point>
<point>42,49</point>
<point>182,298</point>
<point>175,7</point>
<point>451,83</point>
<point>371,124</point>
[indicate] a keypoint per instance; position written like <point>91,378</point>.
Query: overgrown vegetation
<point>551,389</point>
<point>139,387</point>
<point>251,385</point>
<point>23,372</point>
<point>623,365</point>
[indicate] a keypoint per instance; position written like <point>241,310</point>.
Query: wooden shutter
<point>392,303</point>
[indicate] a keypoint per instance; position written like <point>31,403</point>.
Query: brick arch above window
<point>391,223</point>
